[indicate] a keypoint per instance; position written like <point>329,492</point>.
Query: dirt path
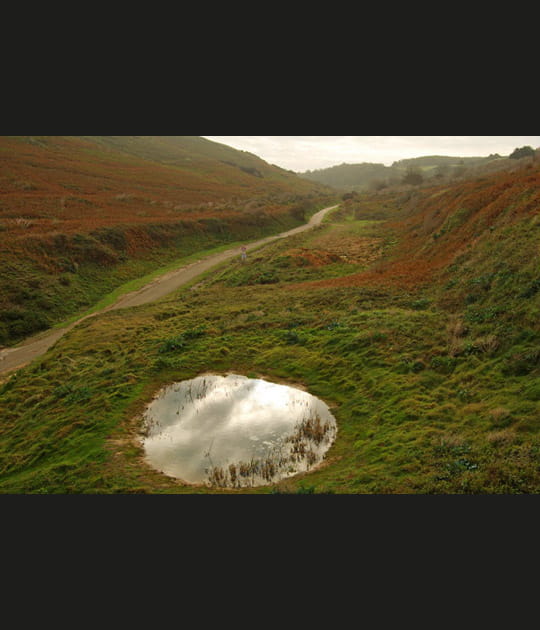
<point>15,358</point>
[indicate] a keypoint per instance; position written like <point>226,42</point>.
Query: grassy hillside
<point>194,152</point>
<point>349,176</point>
<point>81,215</point>
<point>414,315</point>
<point>365,176</point>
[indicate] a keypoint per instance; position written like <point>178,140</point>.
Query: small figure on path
<point>244,254</point>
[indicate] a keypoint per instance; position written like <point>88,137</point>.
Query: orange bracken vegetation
<point>52,187</point>
<point>441,222</point>
<point>72,185</point>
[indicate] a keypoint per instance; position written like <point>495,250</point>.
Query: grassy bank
<point>429,395</point>
<point>50,280</point>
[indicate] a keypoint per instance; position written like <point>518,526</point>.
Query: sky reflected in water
<point>212,423</point>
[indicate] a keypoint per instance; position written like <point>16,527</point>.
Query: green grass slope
<point>430,366</point>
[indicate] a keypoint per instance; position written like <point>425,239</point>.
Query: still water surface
<point>234,431</point>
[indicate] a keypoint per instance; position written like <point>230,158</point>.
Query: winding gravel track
<point>15,358</point>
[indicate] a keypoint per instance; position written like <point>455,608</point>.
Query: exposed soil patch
<point>337,247</point>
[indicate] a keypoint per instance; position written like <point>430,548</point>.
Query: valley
<point>14,358</point>
<point>412,313</point>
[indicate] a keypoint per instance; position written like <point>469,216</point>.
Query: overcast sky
<point>302,153</point>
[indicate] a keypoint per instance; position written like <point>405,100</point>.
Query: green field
<point>433,391</point>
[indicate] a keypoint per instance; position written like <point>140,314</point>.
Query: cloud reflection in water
<point>214,421</point>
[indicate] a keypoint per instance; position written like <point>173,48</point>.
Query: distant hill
<point>72,184</point>
<point>365,175</point>
<point>187,152</point>
<point>428,161</point>
<point>348,176</point>
<point>178,169</point>
<point>80,215</point>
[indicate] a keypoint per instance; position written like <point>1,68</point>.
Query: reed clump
<point>296,452</point>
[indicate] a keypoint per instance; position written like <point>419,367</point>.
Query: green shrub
<point>305,489</point>
<point>531,289</point>
<point>420,304</point>
<point>173,344</point>
<point>292,337</point>
<point>22,323</point>
<point>480,315</point>
<point>522,363</point>
<point>179,342</point>
<point>500,418</point>
<point>62,390</point>
<point>446,365</point>
<point>532,392</point>
<point>522,152</point>
<point>82,394</point>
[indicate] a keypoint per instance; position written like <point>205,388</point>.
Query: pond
<point>234,431</point>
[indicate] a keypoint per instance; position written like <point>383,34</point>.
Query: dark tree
<point>413,176</point>
<point>522,152</point>
<point>442,171</point>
